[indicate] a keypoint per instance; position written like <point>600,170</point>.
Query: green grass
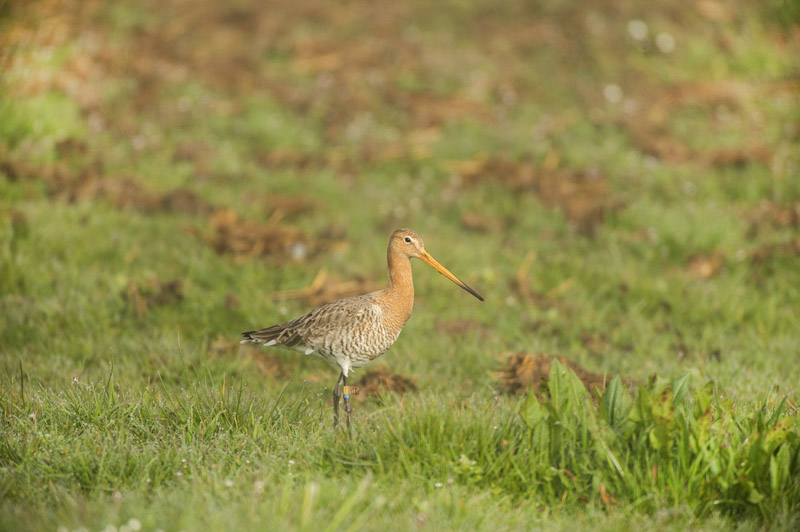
<point>697,452</point>
<point>116,416</point>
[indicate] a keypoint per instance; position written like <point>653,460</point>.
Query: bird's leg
<point>347,408</point>
<point>336,394</point>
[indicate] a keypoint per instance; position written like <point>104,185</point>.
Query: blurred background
<point>618,178</point>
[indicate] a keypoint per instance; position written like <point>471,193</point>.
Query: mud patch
<point>524,372</point>
<point>378,381</point>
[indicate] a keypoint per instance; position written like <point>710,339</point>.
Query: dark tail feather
<point>263,336</point>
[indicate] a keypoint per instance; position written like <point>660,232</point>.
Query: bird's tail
<point>268,336</point>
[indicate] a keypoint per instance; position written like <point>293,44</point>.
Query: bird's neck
<point>399,290</point>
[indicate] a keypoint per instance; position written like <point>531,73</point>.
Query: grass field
<point>620,182</point>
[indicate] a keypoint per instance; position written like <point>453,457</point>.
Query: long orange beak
<point>426,257</point>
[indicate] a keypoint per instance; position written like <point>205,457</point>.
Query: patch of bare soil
<point>245,239</point>
<point>379,381</point>
<point>525,372</point>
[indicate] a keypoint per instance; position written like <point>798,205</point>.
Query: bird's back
<point>354,328</point>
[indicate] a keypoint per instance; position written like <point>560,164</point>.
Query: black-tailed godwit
<point>354,331</point>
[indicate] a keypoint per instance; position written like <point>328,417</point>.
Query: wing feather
<point>310,331</point>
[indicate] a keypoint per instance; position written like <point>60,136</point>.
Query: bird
<point>352,332</point>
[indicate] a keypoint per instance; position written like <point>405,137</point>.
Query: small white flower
<point>179,474</point>
<point>291,462</point>
<point>665,43</point>
<point>228,483</point>
<point>134,524</point>
<point>62,528</point>
<point>149,480</point>
<point>637,29</point>
<point>438,484</point>
<point>258,486</point>
<point>612,93</point>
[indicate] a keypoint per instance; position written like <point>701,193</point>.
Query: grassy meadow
<point>619,180</point>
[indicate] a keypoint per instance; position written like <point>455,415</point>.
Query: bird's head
<point>409,244</point>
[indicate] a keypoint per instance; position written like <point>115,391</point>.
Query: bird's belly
<point>358,350</point>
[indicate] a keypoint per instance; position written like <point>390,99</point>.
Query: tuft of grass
<point>665,446</point>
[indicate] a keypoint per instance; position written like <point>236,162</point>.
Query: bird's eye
<point>407,239</point>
